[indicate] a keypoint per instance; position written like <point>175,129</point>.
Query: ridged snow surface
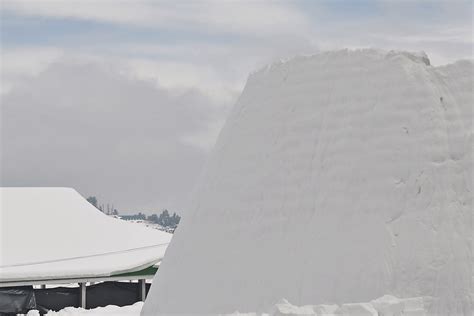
<point>338,178</point>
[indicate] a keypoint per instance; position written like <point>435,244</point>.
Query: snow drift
<point>337,178</point>
<point>54,233</point>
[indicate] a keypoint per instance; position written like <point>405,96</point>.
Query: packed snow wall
<point>337,178</point>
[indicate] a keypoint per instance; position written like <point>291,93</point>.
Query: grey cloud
<point>86,126</point>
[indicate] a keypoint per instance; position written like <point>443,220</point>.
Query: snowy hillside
<point>339,177</point>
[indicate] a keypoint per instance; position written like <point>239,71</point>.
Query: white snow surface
<point>52,233</point>
<point>132,310</point>
<point>338,177</point>
<point>383,306</point>
<point>386,305</point>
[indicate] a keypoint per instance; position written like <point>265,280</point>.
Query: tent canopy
<point>54,233</point>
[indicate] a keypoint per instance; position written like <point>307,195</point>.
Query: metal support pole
<point>82,287</point>
<point>142,289</point>
<point>42,286</point>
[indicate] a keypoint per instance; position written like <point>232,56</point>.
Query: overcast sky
<point>124,100</point>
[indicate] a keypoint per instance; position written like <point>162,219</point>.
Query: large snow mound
<point>337,178</point>
<point>54,233</point>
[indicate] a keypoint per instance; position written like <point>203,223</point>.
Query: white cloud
<point>250,17</point>
<point>184,75</point>
<point>443,29</point>
<point>218,70</point>
<point>205,139</point>
<point>20,63</point>
<point>86,125</point>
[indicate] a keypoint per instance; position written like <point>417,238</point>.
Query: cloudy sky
<point>124,99</point>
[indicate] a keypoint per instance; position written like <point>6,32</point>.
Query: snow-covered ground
<point>386,306</point>
<point>133,310</point>
<point>151,225</point>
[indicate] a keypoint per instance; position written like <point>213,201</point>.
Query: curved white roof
<point>54,233</point>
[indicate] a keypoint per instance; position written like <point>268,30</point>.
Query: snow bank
<point>285,308</point>
<point>388,306</point>
<point>132,310</point>
<point>55,233</point>
<point>338,177</point>
<point>356,309</point>
<point>384,306</point>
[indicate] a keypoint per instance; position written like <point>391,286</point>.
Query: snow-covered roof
<point>53,233</point>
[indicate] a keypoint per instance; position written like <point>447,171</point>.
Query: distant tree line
<point>109,210</point>
<point>165,220</point>
<point>134,217</point>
